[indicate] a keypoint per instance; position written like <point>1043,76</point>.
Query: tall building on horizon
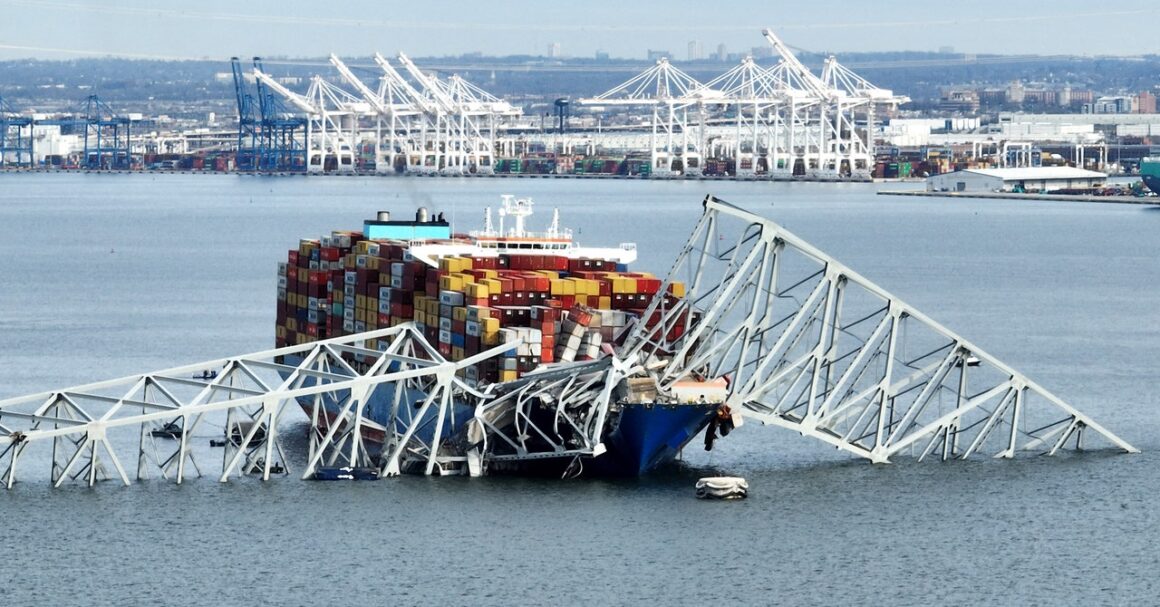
<point>696,50</point>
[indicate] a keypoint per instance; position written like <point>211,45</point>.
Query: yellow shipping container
<point>563,287</point>
<point>459,313</point>
<point>549,273</point>
<point>604,302</point>
<point>457,353</point>
<point>451,282</point>
<point>623,285</point>
<point>477,291</point>
<point>488,326</point>
<point>678,288</point>
<point>507,375</point>
<point>451,265</point>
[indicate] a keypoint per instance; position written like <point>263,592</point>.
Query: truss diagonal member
<point>809,344</point>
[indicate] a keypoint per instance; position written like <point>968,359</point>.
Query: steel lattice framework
<point>803,341</point>
<point>808,344</point>
<point>775,123</point>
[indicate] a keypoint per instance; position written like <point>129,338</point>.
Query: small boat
<point>346,473</point>
<point>169,430</point>
<point>971,361</point>
<point>722,488</point>
<point>259,467</point>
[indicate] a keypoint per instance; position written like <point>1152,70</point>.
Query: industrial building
<point>1028,179</point>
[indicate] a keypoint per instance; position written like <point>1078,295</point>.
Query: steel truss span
<point>803,342</point>
<point>810,345</point>
<point>243,399</point>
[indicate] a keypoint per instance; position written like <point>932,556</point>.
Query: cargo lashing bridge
<point>804,342</point>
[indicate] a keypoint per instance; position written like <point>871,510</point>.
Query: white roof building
<point>1029,179</point>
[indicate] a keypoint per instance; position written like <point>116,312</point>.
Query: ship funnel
<point>421,214</point>
<point>384,216</point>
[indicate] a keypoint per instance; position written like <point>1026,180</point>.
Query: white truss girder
<point>157,414</point>
<point>811,345</point>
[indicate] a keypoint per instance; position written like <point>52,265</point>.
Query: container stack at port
<point>549,308</point>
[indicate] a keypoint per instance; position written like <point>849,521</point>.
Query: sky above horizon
<point>215,29</point>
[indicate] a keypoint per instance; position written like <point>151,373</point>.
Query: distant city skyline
<point>215,29</point>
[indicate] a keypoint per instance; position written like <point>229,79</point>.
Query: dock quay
<point>1141,200</point>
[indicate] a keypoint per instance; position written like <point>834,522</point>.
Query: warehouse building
<point>1030,179</point>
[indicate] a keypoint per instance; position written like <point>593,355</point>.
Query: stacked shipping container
<point>549,308</point>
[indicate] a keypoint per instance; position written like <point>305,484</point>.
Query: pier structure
<point>799,340</point>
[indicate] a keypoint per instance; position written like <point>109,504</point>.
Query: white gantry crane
<point>332,127</point>
<point>778,123</point>
<point>675,144</point>
<point>798,339</point>
<point>397,120</point>
<point>416,122</point>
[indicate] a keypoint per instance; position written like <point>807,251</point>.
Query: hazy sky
<point>216,29</point>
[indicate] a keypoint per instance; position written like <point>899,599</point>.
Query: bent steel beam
<point>811,345</point>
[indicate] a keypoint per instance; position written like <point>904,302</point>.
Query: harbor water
<point>109,275</point>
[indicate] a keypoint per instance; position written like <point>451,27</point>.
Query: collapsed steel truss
<point>810,345</point>
<point>804,342</point>
<point>336,382</point>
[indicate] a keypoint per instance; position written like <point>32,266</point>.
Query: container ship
<point>551,300</point>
